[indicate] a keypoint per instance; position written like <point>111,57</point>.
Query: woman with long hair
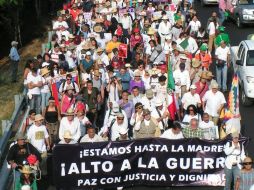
<point>191,113</point>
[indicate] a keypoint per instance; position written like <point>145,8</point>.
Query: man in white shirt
<point>91,136</point>
<point>69,83</point>
<point>34,83</point>
<point>164,29</point>
<point>235,153</point>
<point>71,124</point>
<point>38,135</point>
<point>148,100</point>
<point>192,45</point>
<point>100,55</point>
<point>112,130</point>
<point>182,80</point>
<point>222,55</point>
<point>60,23</point>
<point>191,98</point>
<point>174,132</point>
<point>210,130</point>
<point>213,101</point>
<point>161,114</point>
<point>127,23</point>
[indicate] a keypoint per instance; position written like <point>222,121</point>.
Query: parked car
<point>242,58</point>
<point>241,11</point>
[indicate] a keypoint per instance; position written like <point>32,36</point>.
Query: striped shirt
<point>246,180</point>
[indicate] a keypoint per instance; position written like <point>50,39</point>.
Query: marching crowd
<point>119,70</point>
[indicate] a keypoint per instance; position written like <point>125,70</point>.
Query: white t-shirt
<point>37,135</point>
<point>194,26</point>
<point>57,24</point>
<point>222,53</point>
<point>168,134</point>
<point>204,125</point>
<point>212,28</point>
<point>189,99</point>
<point>35,80</point>
<point>213,102</point>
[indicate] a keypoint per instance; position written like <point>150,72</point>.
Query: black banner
<point>153,162</point>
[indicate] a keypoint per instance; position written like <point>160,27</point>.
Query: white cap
<point>123,131</point>
<point>13,43</point>
<point>193,86</point>
<point>88,53</point>
<point>158,102</point>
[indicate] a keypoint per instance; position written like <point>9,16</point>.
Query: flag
<point>171,86</point>
<point>172,107</point>
<point>54,91</point>
<point>184,44</point>
<point>171,82</point>
<point>232,107</point>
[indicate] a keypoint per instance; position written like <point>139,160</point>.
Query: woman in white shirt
<point>194,25</point>
<point>191,113</point>
<point>212,27</point>
<point>114,88</point>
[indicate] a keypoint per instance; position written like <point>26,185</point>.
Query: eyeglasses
<point>120,119</point>
<point>247,163</point>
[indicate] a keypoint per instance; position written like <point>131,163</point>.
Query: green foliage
<point>10,2</point>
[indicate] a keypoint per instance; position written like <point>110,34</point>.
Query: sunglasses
<point>191,110</point>
<point>68,79</point>
<point>120,119</point>
<point>247,163</point>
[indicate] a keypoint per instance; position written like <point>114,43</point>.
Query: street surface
<point>247,113</point>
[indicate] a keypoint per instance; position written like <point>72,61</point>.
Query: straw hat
<point>128,65</point>
<point>99,50</point>
<point>137,74</point>
<point>203,75</point>
<point>235,134</point>
<point>97,28</point>
<point>183,56</point>
<point>195,63</point>
<point>142,13</point>
<point>114,10</point>
<point>146,112</point>
<point>209,75</point>
<point>164,17</point>
<point>44,71</point>
<point>67,134</point>
<point>158,102</point>
<point>154,71</point>
<point>150,31</point>
<point>86,46</point>
<point>98,20</point>
<point>156,17</point>
<point>149,93</point>
<point>214,85</point>
<point>96,73</point>
<point>38,117</point>
<point>193,86</point>
<point>26,169</point>
<point>107,3</point>
<point>20,136</point>
<point>70,111</point>
<point>71,36</point>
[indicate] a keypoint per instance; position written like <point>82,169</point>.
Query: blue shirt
<point>125,80</point>
<point>14,55</point>
<point>87,65</point>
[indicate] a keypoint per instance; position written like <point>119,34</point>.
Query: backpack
<point>73,84</point>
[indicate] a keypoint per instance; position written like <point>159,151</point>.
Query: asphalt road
<point>247,113</point>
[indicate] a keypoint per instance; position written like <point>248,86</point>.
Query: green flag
<point>184,44</point>
<point>171,82</point>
